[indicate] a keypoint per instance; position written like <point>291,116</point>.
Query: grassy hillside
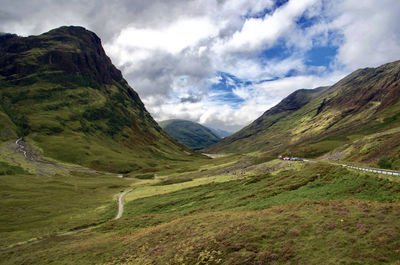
<point>191,134</point>
<point>297,213</point>
<point>8,130</point>
<point>61,91</point>
<point>314,122</point>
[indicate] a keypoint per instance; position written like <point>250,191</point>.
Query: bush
<point>384,162</point>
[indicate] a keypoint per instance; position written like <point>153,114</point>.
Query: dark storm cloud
<point>191,99</point>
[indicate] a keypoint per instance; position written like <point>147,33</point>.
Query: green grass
<point>348,232</point>
<point>321,182</point>
<point>303,213</point>
<point>35,206</point>
<point>6,169</point>
<point>312,232</point>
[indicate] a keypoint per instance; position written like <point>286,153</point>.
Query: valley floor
<point>227,210</point>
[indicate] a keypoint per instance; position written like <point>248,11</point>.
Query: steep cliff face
<point>73,50</point>
<point>61,90</point>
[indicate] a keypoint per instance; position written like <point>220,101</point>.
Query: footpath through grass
<point>34,206</point>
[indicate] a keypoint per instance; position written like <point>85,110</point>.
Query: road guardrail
<point>375,170</point>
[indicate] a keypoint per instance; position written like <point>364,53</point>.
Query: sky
<point>223,63</point>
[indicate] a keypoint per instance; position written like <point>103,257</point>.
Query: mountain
<point>220,133</point>
<point>345,121</point>
<point>63,94</point>
<point>191,134</point>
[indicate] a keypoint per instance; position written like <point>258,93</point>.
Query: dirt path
<point>121,204</point>
<point>26,244</point>
<point>119,215</point>
<point>24,149</point>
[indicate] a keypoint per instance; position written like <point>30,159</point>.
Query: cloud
<point>257,98</point>
<point>259,33</point>
<point>173,38</point>
<point>371,32</point>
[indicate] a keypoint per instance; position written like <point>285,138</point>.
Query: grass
<point>309,213</point>
<point>312,232</point>
<point>157,188</point>
<point>307,233</point>
<point>7,169</point>
<point>35,206</point>
<point>321,182</point>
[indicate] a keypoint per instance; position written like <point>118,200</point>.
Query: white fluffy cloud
<point>172,51</point>
<point>263,32</point>
<point>174,38</point>
<point>371,32</point>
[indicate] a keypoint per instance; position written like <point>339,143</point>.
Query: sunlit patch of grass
<point>157,189</point>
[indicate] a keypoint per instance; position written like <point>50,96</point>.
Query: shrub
<point>384,162</point>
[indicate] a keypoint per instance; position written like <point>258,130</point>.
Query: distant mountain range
<point>356,119</point>
<point>191,134</point>
<point>60,90</point>
<point>220,133</point>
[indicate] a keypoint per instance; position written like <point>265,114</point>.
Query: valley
<point>183,217</point>
<point>87,176</point>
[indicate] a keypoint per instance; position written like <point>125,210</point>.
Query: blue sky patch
<point>321,56</point>
<point>278,51</point>
<point>222,92</point>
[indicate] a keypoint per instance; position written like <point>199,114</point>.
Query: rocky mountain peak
<point>71,49</point>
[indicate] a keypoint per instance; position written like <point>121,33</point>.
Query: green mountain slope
<point>311,123</point>
<point>61,91</point>
<point>191,134</point>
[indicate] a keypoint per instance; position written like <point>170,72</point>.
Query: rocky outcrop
<point>73,50</point>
